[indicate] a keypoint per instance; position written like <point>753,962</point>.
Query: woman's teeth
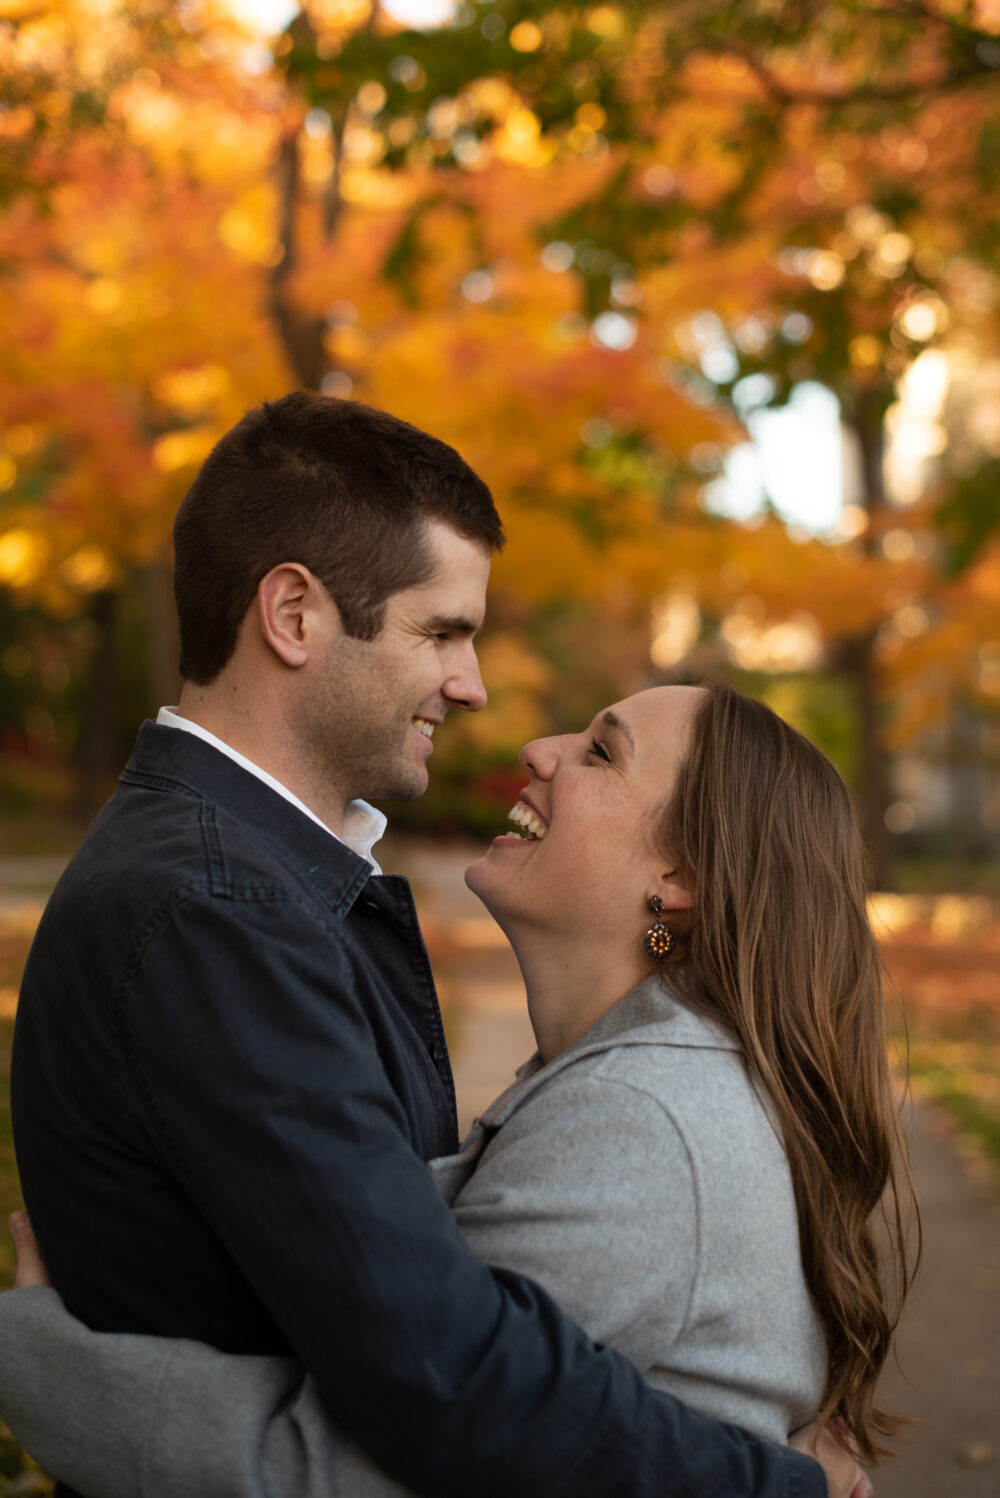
<point>422,726</point>
<point>524,817</point>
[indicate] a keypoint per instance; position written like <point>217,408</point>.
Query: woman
<point>692,1162</point>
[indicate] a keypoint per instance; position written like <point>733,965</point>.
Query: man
<point>229,1063</point>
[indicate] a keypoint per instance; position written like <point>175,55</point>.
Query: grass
<point>946,875</point>
<point>945,966</point>
<point>16,929</point>
<point>10,1194</point>
<point>964,1077</point>
<point>19,1475</point>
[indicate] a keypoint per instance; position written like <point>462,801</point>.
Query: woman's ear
<point>289,603</point>
<point>673,891</point>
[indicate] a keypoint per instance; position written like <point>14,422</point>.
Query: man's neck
<point>220,710</point>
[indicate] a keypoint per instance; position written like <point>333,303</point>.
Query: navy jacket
<point>229,1067</point>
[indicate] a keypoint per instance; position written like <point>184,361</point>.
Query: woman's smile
<point>526,816</point>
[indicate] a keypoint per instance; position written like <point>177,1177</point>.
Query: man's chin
<point>408,787</point>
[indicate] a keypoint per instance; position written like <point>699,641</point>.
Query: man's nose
<point>465,688</point>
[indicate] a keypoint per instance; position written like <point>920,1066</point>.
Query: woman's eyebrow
<point>612,720</point>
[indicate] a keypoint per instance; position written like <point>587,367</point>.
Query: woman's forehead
<point>657,709</point>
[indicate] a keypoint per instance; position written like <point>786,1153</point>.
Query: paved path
<point>25,882</point>
<point>477,975</point>
<point>949,1343</point>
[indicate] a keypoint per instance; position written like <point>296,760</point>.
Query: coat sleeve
<point>456,1379</point>
<point>120,1416</point>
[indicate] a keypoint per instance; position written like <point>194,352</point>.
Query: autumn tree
<point>150,256</point>
<point>130,295</point>
<point>508,230</point>
<point>819,176</point>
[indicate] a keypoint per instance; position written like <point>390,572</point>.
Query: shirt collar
<point>363,824</point>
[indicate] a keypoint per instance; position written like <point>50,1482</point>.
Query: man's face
<point>368,710</point>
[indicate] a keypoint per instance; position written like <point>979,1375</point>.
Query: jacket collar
<point>168,760</point>
<point>648,1015</point>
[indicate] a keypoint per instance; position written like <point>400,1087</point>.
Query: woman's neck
<point>570,982</point>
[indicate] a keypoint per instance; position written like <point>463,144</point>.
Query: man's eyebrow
<point>612,720</point>
<point>458,624</point>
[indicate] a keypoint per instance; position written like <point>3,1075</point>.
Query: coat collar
<point>650,1014</point>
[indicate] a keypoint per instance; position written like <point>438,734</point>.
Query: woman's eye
<point>599,750</point>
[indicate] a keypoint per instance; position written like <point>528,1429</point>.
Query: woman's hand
<point>31,1268</point>
<point>829,1445</point>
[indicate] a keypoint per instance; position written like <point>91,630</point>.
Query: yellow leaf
<point>23,555</point>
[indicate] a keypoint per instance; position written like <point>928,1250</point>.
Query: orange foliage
<point>142,251</point>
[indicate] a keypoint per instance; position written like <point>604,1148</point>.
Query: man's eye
<point>599,750</point>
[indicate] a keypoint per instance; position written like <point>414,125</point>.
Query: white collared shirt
<point>363,824</point>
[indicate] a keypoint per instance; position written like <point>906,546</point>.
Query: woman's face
<point>587,861</point>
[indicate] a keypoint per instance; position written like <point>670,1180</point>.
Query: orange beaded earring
<point>659,939</point>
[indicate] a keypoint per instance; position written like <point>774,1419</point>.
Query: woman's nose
<point>540,757</point>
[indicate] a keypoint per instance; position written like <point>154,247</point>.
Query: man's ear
<point>290,605</point>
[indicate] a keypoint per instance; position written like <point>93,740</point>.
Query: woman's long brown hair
<point>781,949</point>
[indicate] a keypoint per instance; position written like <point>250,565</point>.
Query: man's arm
<point>569,1197</point>
<point>263,1083</point>
<point>119,1416</point>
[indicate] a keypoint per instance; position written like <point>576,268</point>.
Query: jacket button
<point>368,907</point>
<point>435,1053</point>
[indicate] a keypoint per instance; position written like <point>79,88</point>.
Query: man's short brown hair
<point>335,485</point>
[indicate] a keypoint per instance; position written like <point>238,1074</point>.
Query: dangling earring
<point>659,939</point>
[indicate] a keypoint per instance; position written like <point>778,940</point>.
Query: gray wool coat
<point>638,1177</point>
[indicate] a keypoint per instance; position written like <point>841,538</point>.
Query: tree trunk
<point>867,417</point>
<point>301,335</point>
<point>968,791</point>
<point>97,756</point>
<point>304,337</point>
<point>164,643</point>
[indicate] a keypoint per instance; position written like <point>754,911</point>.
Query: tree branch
<point>887,93</point>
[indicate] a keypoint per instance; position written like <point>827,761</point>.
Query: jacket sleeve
<point>456,1380</point>
<point>556,1194</point>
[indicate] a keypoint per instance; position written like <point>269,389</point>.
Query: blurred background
<point>707,292</point>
